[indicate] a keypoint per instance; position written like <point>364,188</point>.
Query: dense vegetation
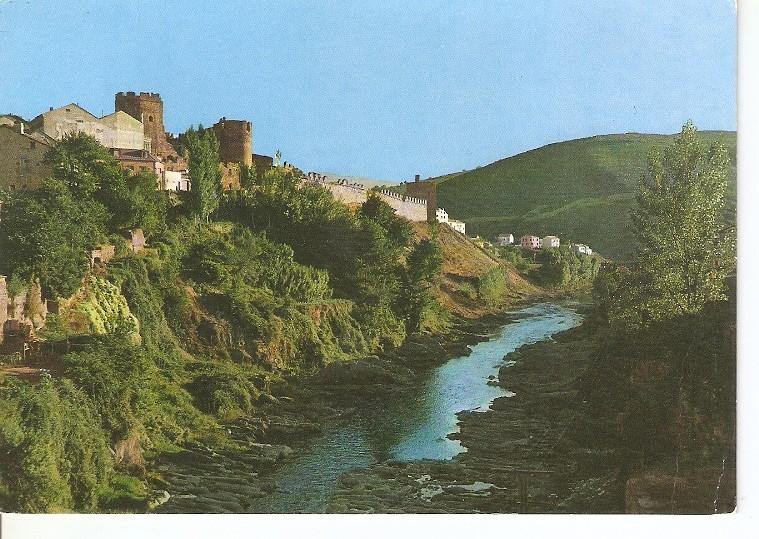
<point>48,234</point>
<point>661,388</point>
<point>236,291</point>
<point>561,267</point>
<point>243,288</point>
<point>581,190</point>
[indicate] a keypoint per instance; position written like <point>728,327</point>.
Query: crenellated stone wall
<point>347,193</point>
<point>412,208</point>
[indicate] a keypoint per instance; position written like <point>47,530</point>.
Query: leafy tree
<point>248,176</point>
<point>148,205</point>
<point>55,456</point>
<point>83,165</point>
<point>491,286</point>
<point>90,172</point>
<point>685,249</point>
<point>555,269</point>
<point>424,264</point>
<point>398,230</point>
<point>48,234</point>
<point>205,175</point>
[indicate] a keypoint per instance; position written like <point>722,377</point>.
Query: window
<point>150,118</point>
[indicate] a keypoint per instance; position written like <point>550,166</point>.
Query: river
<point>410,426</point>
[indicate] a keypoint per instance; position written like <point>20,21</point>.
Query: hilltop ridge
<point>581,190</point>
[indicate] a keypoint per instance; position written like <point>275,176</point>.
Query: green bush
<point>55,454</point>
<point>107,311</point>
<point>467,288</point>
<point>221,389</point>
<point>491,286</point>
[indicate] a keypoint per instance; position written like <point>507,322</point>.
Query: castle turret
<point>235,141</point>
<point>147,108</point>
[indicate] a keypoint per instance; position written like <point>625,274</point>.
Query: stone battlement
<point>412,208</point>
<point>398,196</point>
<point>152,96</point>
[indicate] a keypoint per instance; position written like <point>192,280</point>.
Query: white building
<point>502,240</point>
<point>117,130</point>
<point>458,226</point>
<point>441,215</point>
<point>175,181</point>
<point>550,242</point>
<point>581,248</point>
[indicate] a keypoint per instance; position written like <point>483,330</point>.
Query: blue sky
<point>383,89</point>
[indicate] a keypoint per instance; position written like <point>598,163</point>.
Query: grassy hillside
<point>581,190</point>
<point>464,264</point>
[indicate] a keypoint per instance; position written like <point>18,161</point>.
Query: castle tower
<point>427,191</point>
<point>147,107</point>
<point>235,141</point>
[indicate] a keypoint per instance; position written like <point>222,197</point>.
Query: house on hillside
<point>458,226</point>
<point>581,248</point>
<point>441,216</point>
<point>22,154</point>
<point>504,240</point>
<point>117,130</point>
<point>530,242</point>
<point>550,242</point>
<point>137,161</point>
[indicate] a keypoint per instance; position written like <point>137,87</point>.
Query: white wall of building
<point>458,226</point>
<point>550,242</point>
<point>175,181</point>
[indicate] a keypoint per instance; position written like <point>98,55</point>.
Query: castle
<point>136,135</point>
<point>235,149</point>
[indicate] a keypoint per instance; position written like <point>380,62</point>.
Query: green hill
<point>581,190</point>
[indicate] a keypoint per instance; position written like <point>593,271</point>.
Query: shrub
<point>491,286</point>
<point>55,453</point>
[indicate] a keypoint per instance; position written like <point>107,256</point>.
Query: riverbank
<point>298,411</point>
<point>350,417</point>
<point>519,456</point>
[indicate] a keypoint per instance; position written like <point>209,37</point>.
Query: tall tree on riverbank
<point>685,248</point>
<point>205,176</point>
<point>424,265</point>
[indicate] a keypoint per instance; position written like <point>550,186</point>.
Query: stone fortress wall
<point>412,208</point>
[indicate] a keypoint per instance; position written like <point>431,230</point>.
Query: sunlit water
<point>411,426</point>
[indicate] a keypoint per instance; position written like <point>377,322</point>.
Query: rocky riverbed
<point>239,479</point>
<point>520,455</point>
